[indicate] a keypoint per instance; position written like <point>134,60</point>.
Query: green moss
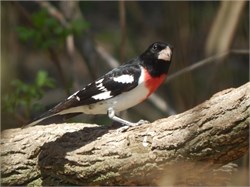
<point>106,177</point>
<point>36,182</point>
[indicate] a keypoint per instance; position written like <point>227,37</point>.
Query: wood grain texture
<point>196,142</point>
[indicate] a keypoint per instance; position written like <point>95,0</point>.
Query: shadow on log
<point>191,148</point>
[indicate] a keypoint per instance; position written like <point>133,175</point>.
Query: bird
<point>121,88</point>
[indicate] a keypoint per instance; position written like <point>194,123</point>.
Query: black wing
<point>107,83</point>
<point>104,84</point>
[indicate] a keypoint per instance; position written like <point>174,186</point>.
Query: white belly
<point>119,103</point>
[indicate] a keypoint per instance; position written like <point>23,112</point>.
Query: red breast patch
<point>152,83</point>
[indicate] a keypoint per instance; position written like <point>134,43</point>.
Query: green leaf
<point>24,95</point>
<point>38,107</point>
<point>41,78</point>
<point>50,22</point>
<point>25,33</point>
<point>39,18</point>
<point>79,25</point>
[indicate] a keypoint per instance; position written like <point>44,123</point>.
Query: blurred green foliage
<point>44,32</point>
<point>47,31</point>
<point>24,95</point>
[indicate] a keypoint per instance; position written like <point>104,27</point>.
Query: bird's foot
<point>127,124</point>
<point>130,124</point>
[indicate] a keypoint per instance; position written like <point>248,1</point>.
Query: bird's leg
<point>111,114</point>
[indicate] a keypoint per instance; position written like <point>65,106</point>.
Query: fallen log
<point>198,142</point>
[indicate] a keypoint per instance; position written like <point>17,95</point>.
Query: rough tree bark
<point>196,142</point>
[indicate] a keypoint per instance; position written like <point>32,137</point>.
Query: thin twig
<point>123,29</point>
<point>53,12</point>
<point>111,61</point>
<point>54,57</point>
<point>205,61</point>
<point>240,51</point>
<point>161,104</point>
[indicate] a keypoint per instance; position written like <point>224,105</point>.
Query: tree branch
<point>195,142</point>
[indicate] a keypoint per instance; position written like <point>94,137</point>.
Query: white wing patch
<point>100,86</point>
<point>73,95</point>
<point>124,79</point>
<point>99,81</point>
<point>102,96</point>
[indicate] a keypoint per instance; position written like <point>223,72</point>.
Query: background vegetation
<point>51,49</point>
<point>75,42</point>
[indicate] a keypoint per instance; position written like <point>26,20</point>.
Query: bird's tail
<point>55,114</point>
<point>38,120</point>
<point>49,118</point>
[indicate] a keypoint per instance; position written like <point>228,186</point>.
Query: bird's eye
<point>155,47</point>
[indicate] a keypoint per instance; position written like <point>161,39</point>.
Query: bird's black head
<point>157,58</point>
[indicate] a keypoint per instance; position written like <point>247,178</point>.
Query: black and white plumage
<point>119,89</point>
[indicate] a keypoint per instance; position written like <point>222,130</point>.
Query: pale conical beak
<point>165,54</point>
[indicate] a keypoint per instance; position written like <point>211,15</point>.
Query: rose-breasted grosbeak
<point>119,89</point>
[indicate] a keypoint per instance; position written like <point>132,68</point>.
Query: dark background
<point>186,25</point>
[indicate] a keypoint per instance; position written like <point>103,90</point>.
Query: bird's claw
<point>126,127</point>
<point>142,122</point>
<point>122,129</point>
